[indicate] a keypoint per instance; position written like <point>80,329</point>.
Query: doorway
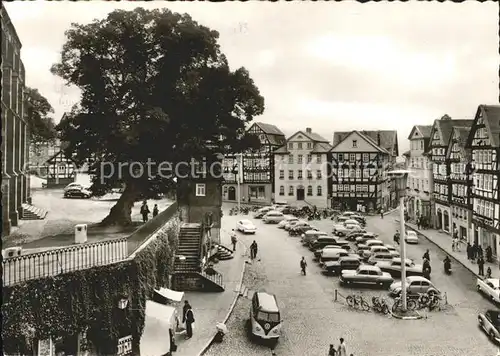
<point>231,193</point>
<point>300,193</point>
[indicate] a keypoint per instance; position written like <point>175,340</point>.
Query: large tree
<point>155,86</point>
<point>40,124</point>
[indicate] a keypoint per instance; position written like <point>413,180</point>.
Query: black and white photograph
<point>250,178</point>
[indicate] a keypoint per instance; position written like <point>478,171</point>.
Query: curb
<point>442,249</point>
<point>230,311</point>
<point>407,317</point>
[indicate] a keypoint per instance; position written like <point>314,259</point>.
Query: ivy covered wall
<point>86,301</point>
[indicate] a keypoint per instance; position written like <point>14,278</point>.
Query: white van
<point>265,316</point>
<point>273,217</point>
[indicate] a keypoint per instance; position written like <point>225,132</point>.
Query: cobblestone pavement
<point>312,320</point>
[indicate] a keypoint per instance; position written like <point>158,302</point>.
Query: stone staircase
<point>31,212</point>
<point>224,253</point>
<point>188,274</point>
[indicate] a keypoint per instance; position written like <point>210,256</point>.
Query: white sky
<point>330,66</point>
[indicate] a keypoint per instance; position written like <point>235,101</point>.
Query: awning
<point>155,338</point>
<point>170,294</point>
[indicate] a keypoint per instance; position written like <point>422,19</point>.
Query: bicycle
<point>380,305</point>
<point>357,301</point>
<point>411,304</point>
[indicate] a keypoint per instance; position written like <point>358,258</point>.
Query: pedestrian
<point>474,252</point>
<point>396,237</point>
<point>489,254</point>
<point>419,222</point>
<point>155,210</point>
<point>145,211</point>
<point>233,239</point>
<point>488,273</point>
<point>303,265</point>
<point>188,318</point>
<point>469,251</point>
<point>331,350</point>
<point>480,264</point>
<point>453,242</point>
<point>381,213</point>
<point>253,250</point>
<point>426,256</point>
<point>342,349</point>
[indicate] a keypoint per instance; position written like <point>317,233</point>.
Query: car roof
<point>246,221</point>
<point>411,232</point>
<point>417,279</point>
<point>399,259</point>
<point>350,257</point>
<point>494,281</point>
<point>372,240</point>
<point>370,267</point>
<point>267,302</point>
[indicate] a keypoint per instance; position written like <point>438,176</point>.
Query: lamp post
<point>400,177</point>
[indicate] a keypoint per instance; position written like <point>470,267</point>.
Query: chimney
<point>378,138</point>
<point>308,129</point>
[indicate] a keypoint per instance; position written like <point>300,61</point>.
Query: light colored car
<point>379,257</point>
<point>374,249</point>
<point>394,267</point>
<point>392,249</point>
<point>262,211</point>
<point>273,217</point>
<point>490,287</point>
<point>246,227</point>
<point>352,221</point>
<point>411,237</point>
<point>490,323</point>
<point>366,274</point>
<point>286,220</point>
<point>414,285</point>
<point>345,229</point>
<point>74,185</point>
<point>310,235</point>
<point>374,242</point>
<point>289,225</point>
<point>330,253</point>
<point>365,237</point>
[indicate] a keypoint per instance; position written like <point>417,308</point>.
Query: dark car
<point>334,267</point>
<point>299,230</point>
<point>353,235</point>
<point>80,193</point>
<point>321,242</point>
<point>490,323</point>
<point>394,267</point>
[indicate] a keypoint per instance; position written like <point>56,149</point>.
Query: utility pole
<point>240,175</point>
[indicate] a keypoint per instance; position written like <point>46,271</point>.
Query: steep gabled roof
<point>492,121</point>
<point>460,136</point>
<point>269,129</point>
<point>321,147</point>
<point>310,135</point>
<point>368,139</point>
<point>425,131</point>
<point>282,149</point>
<point>388,139</point>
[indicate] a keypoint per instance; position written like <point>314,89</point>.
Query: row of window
<point>299,145</point>
<point>482,156</point>
<point>358,173</point>
<point>439,169</point>
<point>291,190</point>
<point>459,190</point>
<point>291,174</point>
<point>416,183</point>
<point>484,208</point>
<point>438,151</point>
<point>361,188</point>
<point>419,163</point>
<point>458,168</point>
<point>365,157</point>
<point>300,158</point>
<point>417,144</point>
<point>460,212</point>
<point>483,181</point>
<point>441,189</point>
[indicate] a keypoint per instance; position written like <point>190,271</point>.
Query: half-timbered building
<point>301,170</point>
<point>61,170</point>
<point>441,132</point>
<point>257,174</point>
<point>357,178</point>
<point>419,188</point>
<point>458,159</point>
<point>484,143</point>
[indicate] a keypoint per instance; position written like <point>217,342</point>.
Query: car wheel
<point>491,334</point>
<point>478,288</point>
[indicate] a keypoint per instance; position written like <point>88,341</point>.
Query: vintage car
<point>353,235</point>
<point>394,267</point>
<point>352,221</point>
<point>323,241</point>
<point>489,287</point>
<point>288,219</point>
<point>311,235</point>
<point>359,218</point>
<point>490,323</point>
<point>273,217</point>
<point>299,229</point>
<point>373,250</point>
<point>379,257</point>
<point>289,225</point>
<point>330,253</point>
<point>335,266</point>
<point>368,275</point>
<point>78,193</point>
<point>411,237</point>
<point>246,226</point>
<point>345,229</point>
<point>259,214</point>
<point>414,285</point>
<point>365,236</point>
<point>392,250</point>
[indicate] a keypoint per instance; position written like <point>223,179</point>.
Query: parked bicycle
<point>380,305</point>
<point>357,301</point>
<point>411,304</point>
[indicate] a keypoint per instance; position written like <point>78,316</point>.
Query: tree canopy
<point>155,86</point>
<point>40,124</point>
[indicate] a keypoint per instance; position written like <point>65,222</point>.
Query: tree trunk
<point>120,213</point>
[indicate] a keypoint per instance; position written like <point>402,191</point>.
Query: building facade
<point>419,189</point>
<point>257,175</point>
<point>458,159</point>
<point>15,135</point>
<point>358,177</point>
<point>301,170</point>
<point>484,143</point>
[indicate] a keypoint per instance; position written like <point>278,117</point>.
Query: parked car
<point>323,241</point>
<point>379,257</point>
<point>246,227</point>
<point>74,185</point>
<point>373,250</point>
<point>259,214</point>
<point>394,267</point>
<point>286,220</point>
<point>367,275</point>
<point>392,250</point>
<point>344,263</point>
<point>490,323</point>
<point>311,235</point>
<point>411,237</point>
<point>294,223</point>
<point>370,243</point>
<point>343,230</point>
<point>489,287</point>
<point>365,236</point>
<point>352,221</point>
<point>414,285</point>
<point>330,252</point>
<point>353,235</point>
<point>78,193</point>
<point>359,218</point>
<point>273,217</point>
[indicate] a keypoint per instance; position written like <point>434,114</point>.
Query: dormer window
<point>354,143</point>
<point>200,190</point>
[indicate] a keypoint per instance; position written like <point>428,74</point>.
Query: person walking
<point>480,264</point>
<point>253,250</point>
<point>303,265</point>
<point>396,237</point>
<point>489,254</point>
<point>469,251</point>
<point>145,211</point>
<point>419,222</point>
<point>155,210</point>
<point>342,349</point>
<point>453,244</point>
<point>426,256</point>
<point>488,273</point>
<point>381,213</point>
<point>234,240</point>
<point>332,351</point>
<point>188,319</point>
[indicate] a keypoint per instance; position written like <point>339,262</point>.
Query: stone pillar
<point>11,171</point>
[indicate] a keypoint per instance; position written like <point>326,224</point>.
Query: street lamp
<point>400,176</point>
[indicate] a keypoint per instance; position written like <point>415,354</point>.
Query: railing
<point>216,278</point>
<point>63,260</point>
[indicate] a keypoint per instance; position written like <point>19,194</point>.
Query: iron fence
<point>62,260</point>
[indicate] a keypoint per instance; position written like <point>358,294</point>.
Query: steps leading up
<point>31,212</point>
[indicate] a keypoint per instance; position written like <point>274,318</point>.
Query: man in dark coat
<point>145,211</point>
<point>253,250</point>
<point>469,251</point>
<point>188,318</point>
<point>480,264</point>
